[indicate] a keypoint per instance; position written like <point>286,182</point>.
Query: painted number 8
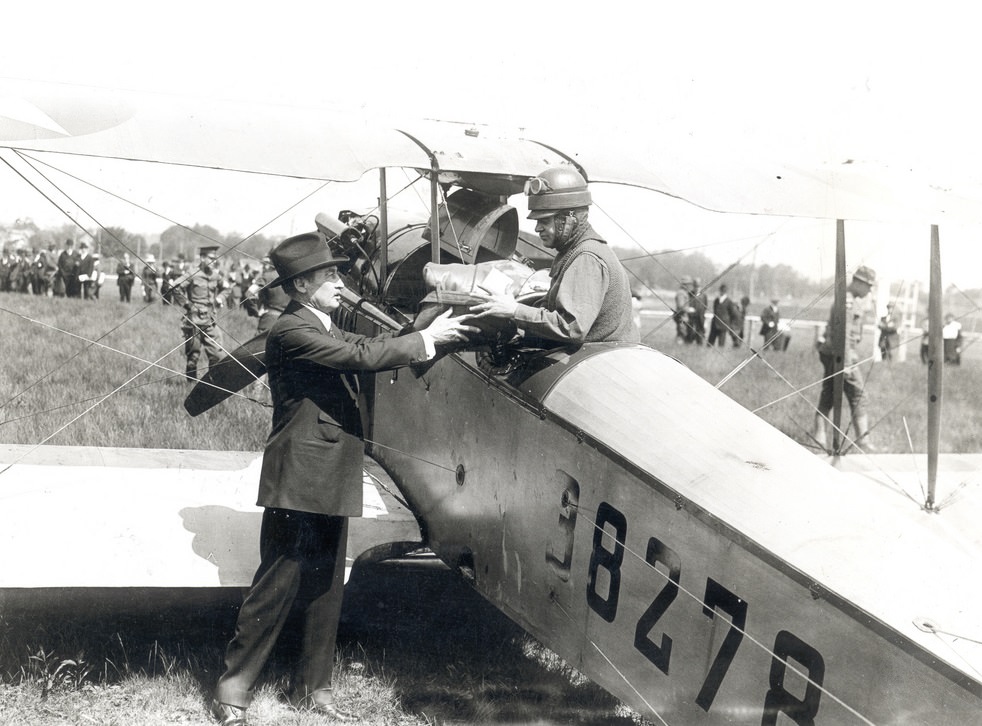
<point>606,607</point>
<point>778,700</point>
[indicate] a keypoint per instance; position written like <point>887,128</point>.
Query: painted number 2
<point>659,653</point>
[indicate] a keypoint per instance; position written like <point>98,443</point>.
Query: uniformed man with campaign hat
<point>198,291</point>
<point>853,386</point>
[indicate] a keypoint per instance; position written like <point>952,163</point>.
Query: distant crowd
<point>728,318</point>
<point>69,273</point>
<point>76,271</point>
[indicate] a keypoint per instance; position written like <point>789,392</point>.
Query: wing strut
<point>935,367</point>
<point>435,212</point>
<point>838,331</point>
<point>434,197</point>
<point>383,232</point>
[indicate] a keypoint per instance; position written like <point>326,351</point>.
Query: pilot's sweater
<point>589,297</point>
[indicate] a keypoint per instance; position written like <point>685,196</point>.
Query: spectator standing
<point>951,336</point>
<point>699,303</point>
<point>6,262</point>
<point>125,277</point>
<point>149,279</point>
<point>98,276</point>
<point>198,292</point>
<point>86,269</point>
<point>20,271</point>
<point>741,329</point>
<point>47,269</point>
<point>726,315</point>
<point>683,311</point>
<point>853,385</point>
<point>889,326</point>
<point>68,262</point>
<point>264,301</point>
<point>770,324</point>
<point>168,274</point>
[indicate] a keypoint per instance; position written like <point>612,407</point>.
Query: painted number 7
<point>718,596</point>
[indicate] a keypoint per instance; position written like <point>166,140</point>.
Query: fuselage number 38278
<point>606,568</point>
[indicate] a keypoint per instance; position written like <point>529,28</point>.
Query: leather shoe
<point>328,709</point>
<point>227,714</point>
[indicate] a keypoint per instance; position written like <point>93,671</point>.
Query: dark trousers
<point>198,338</point>
<point>302,567</point>
<point>853,388</point>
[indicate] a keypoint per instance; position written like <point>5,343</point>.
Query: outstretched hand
<point>445,329</point>
<point>494,306</point>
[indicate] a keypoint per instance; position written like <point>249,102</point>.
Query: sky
<point>836,79</point>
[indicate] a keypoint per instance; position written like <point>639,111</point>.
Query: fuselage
<point>677,549</point>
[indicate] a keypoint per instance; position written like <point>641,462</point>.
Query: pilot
<point>311,476</point>
<point>589,296</point>
<point>852,381</point>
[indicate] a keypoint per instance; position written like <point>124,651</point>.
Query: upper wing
<point>761,177</point>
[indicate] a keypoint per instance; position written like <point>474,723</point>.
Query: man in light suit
<point>311,479</point>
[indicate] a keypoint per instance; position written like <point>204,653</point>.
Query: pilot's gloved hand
<point>494,306</point>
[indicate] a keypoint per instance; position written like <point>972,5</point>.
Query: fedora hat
<point>302,253</point>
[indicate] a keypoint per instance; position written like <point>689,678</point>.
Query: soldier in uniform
<point>149,279</point>
<point>198,292</point>
<point>853,386</point>
<point>680,314</point>
<point>168,274</point>
<point>890,325</point>
<point>698,303</point>
<point>47,269</point>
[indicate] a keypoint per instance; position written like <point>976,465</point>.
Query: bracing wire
<point>29,159</point>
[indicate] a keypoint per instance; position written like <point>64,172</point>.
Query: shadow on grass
<point>456,658</point>
<point>447,654</point>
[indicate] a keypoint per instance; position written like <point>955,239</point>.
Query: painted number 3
<point>605,565</point>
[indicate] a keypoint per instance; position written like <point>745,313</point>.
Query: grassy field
<point>417,647</point>
<point>110,374</point>
<point>783,389</point>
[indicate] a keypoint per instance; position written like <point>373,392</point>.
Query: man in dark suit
<point>311,479</point>
<point>86,268</point>
<point>726,316</point>
<point>68,262</point>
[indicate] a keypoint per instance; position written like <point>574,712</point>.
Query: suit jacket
<point>313,457</point>
<point>726,314</point>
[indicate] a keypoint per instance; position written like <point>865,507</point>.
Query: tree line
<point>662,271</point>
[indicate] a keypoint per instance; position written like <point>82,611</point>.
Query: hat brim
<point>332,262</point>
<point>542,213</point>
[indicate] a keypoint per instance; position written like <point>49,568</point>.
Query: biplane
<point>673,547</point>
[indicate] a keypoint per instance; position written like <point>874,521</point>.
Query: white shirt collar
<point>321,315</point>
